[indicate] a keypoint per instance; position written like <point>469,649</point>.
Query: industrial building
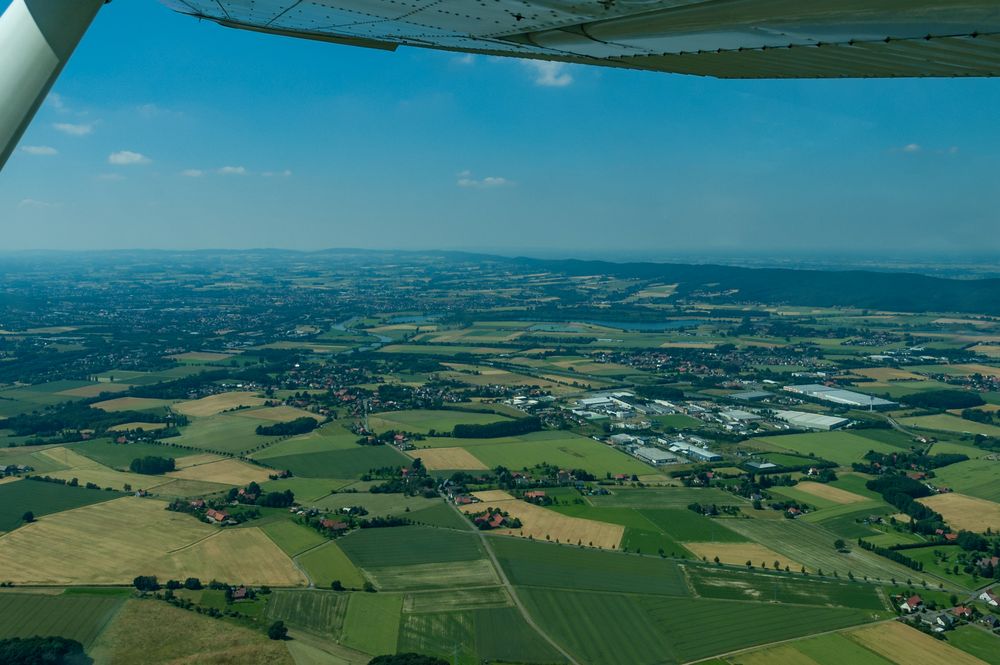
<point>694,452</point>
<point>840,396</point>
<point>654,456</point>
<point>815,421</point>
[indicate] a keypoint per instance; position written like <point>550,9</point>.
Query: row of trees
<point>498,429</point>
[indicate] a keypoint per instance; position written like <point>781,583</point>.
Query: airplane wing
<point>721,38</point>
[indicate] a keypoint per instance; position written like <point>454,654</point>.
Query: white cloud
<point>35,203</point>
<point>56,101</point>
<point>81,129</point>
<point>911,147</point>
<point>549,74</point>
<point>465,179</point>
<point>277,174</point>
<point>43,150</point>
<point>467,59</point>
<point>127,158</point>
<point>233,170</point>
<point>192,173</point>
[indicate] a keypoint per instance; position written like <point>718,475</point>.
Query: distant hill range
<point>903,292</point>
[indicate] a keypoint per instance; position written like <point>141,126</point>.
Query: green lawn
<point>377,504</point>
<point>977,642</point>
<point>327,563</point>
<point>941,560</point>
<point>976,477</point>
<point>42,498</point>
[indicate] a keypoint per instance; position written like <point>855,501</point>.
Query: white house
<point>991,598</point>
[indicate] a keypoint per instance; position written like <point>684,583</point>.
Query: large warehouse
<point>840,396</point>
<point>811,420</point>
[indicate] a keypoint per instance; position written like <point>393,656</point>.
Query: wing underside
<point>721,38</point>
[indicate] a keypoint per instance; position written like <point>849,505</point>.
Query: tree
<point>839,545</point>
<point>368,587</point>
<point>37,650</point>
<point>336,585</point>
<point>146,583</point>
<point>192,583</point>
<point>277,631</point>
<point>28,517</point>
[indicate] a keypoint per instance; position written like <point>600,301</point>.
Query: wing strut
<point>37,37</point>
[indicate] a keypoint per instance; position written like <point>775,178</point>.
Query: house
<point>240,593</point>
<point>951,537</point>
<point>216,516</point>
<point>991,598</point>
<point>333,525</point>
<point>991,621</point>
<point>911,604</point>
<point>534,494</point>
<point>197,504</point>
<point>945,621</point>
<point>496,520</point>
<point>962,612</point>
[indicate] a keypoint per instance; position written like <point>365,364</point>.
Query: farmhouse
<point>962,612</point>
<point>991,598</point>
<point>333,525</point>
<point>216,516</point>
<point>911,604</point>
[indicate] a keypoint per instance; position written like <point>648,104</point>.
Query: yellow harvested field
<point>86,470</point>
<point>112,542</point>
<point>195,460</point>
<point>888,374</point>
<point>437,459</point>
<point>988,350</point>
<point>737,554</point>
<point>213,404</point>
<point>976,368</point>
<point>131,404</point>
<point>225,471</point>
<point>201,356</point>
<point>834,494</point>
<point>9,479</point>
<point>95,389</point>
<point>493,495</point>
<point>542,524</point>
<point>128,427</point>
<point>279,414</point>
<point>904,645</point>
<point>967,513</point>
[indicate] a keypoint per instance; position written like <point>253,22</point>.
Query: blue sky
<point>167,132</point>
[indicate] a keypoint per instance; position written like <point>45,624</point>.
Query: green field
<point>812,546</point>
<point>666,497</point>
<point>291,537</point>
<point>616,629</point>
<point>840,447</point>
<point>320,612</point>
<point>41,498</point>
<point>327,563</point>
<point>941,560</point>
<point>224,432</point>
<point>80,617</point>
<point>456,599</point>
<point>440,515</point>
<point>562,449</point>
<point>410,545</point>
<point>730,584</point>
<point>377,504</point>
<point>977,642</point>
<point>351,463</point>
<point>543,564</point>
<point>422,421</point>
<point>306,490</point>
<point>975,477</point>
<point>119,456</point>
<point>641,533</point>
<point>331,436</point>
<point>688,526</point>
<point>372,623</point>
<point>948,423</point>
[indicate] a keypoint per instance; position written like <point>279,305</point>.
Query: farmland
<point>437,459</point>
<point>213,404</point>
<point>730,584</point>
<point>372,623</point>
<point>79,617</point>
<point>841,447</point>
<point>327,563</point>
<point>423,421</point>
<point>17,498</point>
<point>409,545</point>
<point>350,463</point>
<point>966,512</point>
<point>321,612</point>
<point>114,541</point>
<point>978,478</point>
<point>292,538</point>
<point>902,644</point>
<point>948,423</point>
